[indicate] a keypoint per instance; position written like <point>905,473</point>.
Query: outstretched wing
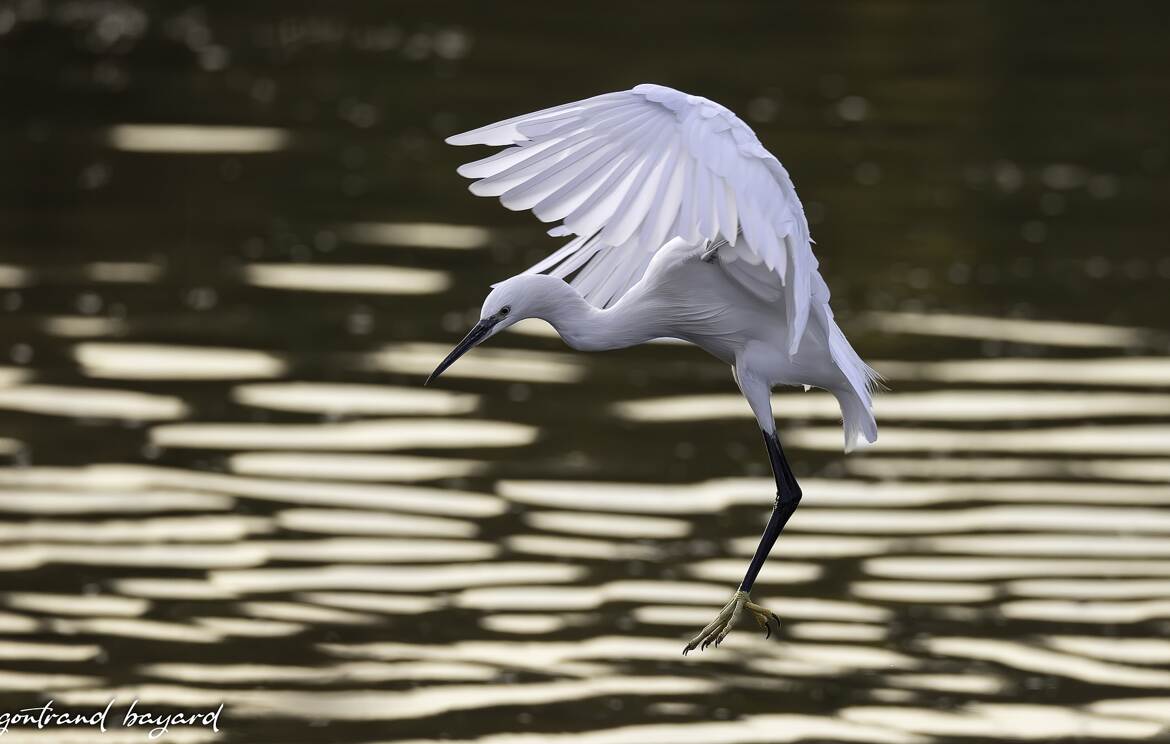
<point>626,172</point>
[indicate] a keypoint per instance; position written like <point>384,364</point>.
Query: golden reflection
<point>323,465</point>
<point>716,495</point>
<point>795,608</point>
<point>199,528</point>
<point>1149,651</point>
<point>383,604</point>
<point>950,405</point>
<point>37,682</point>
<point>525,597</point>
<point>88,605</point>
<point>1108,588</point>
<point>364,522</point>
<point>416,234</point>
<point>244,627</point>
<point>637,498</point>
<point>979,468</point>
<point>91,402</point>
<point>967,683</point>
<point>176,696</point>
<point>557,546</point>
<point>299,612</point>
<point>338,399</point>
<point>158,362</point>
<point>1101,613</point>
<point>83,326</point>
<point>13,277</point>
<point>1002,721</point>
<point>47,502</point>
<point>1038,660</point>
<point>13,376</point>
<point>427,701</point>
<point>379,550</point>
<point>360,279</point>
<point>1120,371</point>
<point>626,526</point>
<point>122,272</point>
<point>491,363</point>
<point>24,650</point>
<point>923,591</point>
<point>524,625</point>
<point>18,624</point>
<point>1015,330</point>
<point>139,629</point>
<point>947,567</point>
<point>360,671</point>
<point>171,588</point>
<point>401,579</point>
<point>854,632</point>
<point>169,555</point>
<point>346,435</point>
<point>749,729</point>
<point>818,547</point>
<point>1138,439</point>
<point>1023,517</point>
<point>132,488</point>
<point>849,656</point>
<point>730,570</point>
<point>196,139</point>
<point>1115,545</point>
<point>1147,708</point>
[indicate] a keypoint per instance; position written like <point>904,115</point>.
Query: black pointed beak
<point>469,342</point>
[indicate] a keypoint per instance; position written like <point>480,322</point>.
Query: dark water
<point>225,484</point>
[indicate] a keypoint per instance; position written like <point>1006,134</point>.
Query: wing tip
<point>483,136</point>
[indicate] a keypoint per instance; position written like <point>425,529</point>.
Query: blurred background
<point>232,243</point>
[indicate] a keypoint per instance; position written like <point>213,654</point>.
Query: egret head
<point>512,300</point>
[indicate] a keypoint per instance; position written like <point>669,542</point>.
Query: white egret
<point>685,227</point>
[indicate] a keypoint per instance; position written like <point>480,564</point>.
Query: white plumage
<point>627,172</point>
<point>684,227</point>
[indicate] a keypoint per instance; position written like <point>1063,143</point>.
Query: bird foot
<point>718,628</point>
<point>710,254</point>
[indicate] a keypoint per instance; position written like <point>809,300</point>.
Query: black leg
<point>787,499</point>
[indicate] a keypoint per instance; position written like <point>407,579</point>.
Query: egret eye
<point>505,310</point>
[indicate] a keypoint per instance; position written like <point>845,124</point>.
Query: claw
<point>717,630</point>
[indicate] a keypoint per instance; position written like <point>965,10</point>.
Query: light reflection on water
<point>1011,329</point>
<point>950,405</point>
<point>158,138</point>
<point>418,359</point>
<point>360,279</point>
<point>417,234</point>
<point>222,481</point>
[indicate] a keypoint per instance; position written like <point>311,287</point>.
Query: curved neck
<point>587,328</point>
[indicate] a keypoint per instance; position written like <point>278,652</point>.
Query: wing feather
<point>569,182</point>
<point>573,247</point>
<point>570,200</point>
<point>626,172</point>
<point>579,258</point>
<point>506,133</point>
